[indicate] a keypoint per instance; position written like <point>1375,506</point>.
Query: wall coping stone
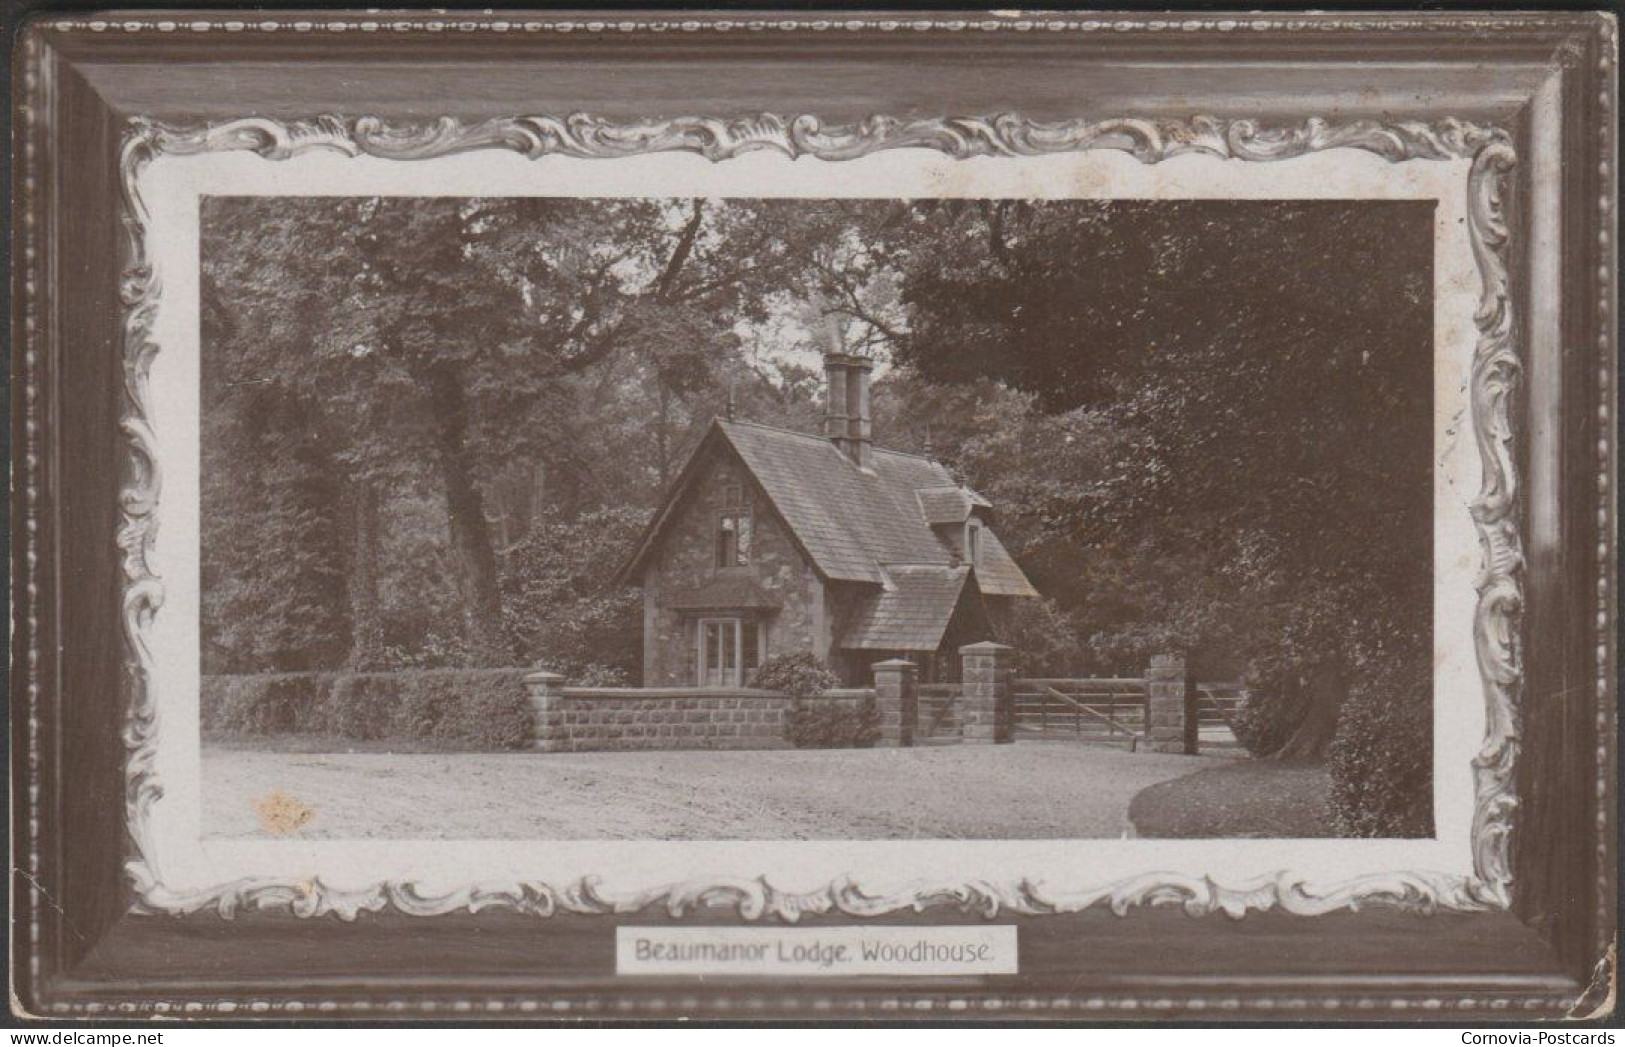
<point>637,693</point>
<point>634,693</point>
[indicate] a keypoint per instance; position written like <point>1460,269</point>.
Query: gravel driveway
<point>1027,790</point>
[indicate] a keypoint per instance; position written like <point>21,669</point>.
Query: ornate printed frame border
<point>1541,85</point>
<point>1495,372</point>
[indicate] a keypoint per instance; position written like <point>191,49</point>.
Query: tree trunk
<point>366,628</point>
<point>1324,691</point>
<point>470,532</point>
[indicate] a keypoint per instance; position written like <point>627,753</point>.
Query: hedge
<point>824,723</point>
<point>816,722</point>
<point>1382,755</point>
<point>464,708</point>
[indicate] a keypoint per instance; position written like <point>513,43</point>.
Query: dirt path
<point>1022,791</point>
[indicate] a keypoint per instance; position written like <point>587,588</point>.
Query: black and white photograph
<point>816,519</point>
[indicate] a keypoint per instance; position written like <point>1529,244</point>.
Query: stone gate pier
<point>1171,719</point>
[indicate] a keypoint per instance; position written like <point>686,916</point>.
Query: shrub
<point>817,722</point>
<point>834,723</point>
<point>1272,708</point>
<point>798,674</point>
<point>1382,755</point>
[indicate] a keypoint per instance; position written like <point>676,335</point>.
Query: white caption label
<point>810,951</point>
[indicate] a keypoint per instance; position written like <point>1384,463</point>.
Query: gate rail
<point>1111,710</point>
<point>1080,711</point>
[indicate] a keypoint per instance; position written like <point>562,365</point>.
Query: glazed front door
<point>719,652</point>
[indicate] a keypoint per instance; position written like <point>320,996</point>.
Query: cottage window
<point>973,542</point>
<point>733,538</point>
<point>730,649</point>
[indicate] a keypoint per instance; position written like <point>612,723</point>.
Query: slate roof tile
<point>949,505</point>
<point>852,521</point>
<point>997,572</point>
<point>911,613</point>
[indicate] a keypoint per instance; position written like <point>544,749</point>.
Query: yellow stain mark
<point>282,815</point>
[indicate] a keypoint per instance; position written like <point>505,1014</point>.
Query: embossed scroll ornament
<point>1495,372</point>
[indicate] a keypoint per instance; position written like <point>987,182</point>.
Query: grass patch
<point>1257,798</point>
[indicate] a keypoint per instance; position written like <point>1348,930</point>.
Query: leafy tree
<point>1045,638</point>
<point>276,599</point>
<point>274,579</point>
<point>449,338</point>
<point>1267,385</point>
<point>561,605</point>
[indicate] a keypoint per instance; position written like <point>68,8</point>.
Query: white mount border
<point>1496,370</point>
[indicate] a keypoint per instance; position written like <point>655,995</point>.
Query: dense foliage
<point>799,674</point>
<point>1381,779</point>
<point>816,720</point>
<point>834,723</point>
<point>484,709</point>
<point>434,428</point>
<point>555,598</point>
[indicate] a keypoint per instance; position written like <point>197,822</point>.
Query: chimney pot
<point>834,401</point>
<point>846,418</point>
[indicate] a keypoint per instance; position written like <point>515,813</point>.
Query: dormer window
<point>973,542</point>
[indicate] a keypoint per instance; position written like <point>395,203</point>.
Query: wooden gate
<point>1111,711</point>
<point>940,721</point>
<point>1103,710</point>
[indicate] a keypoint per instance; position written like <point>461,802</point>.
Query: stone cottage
<point>775,541</point>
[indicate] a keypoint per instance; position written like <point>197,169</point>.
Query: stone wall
<point>686,560</point>
<point>978,711</point>
<point>598,719</point>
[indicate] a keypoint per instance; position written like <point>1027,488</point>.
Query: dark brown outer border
<point>1551,78</point>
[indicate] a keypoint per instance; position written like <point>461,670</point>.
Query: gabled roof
<point>848,521</point>
<point>911,613</point>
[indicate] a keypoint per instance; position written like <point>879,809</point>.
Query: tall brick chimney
<point>846,411</point>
